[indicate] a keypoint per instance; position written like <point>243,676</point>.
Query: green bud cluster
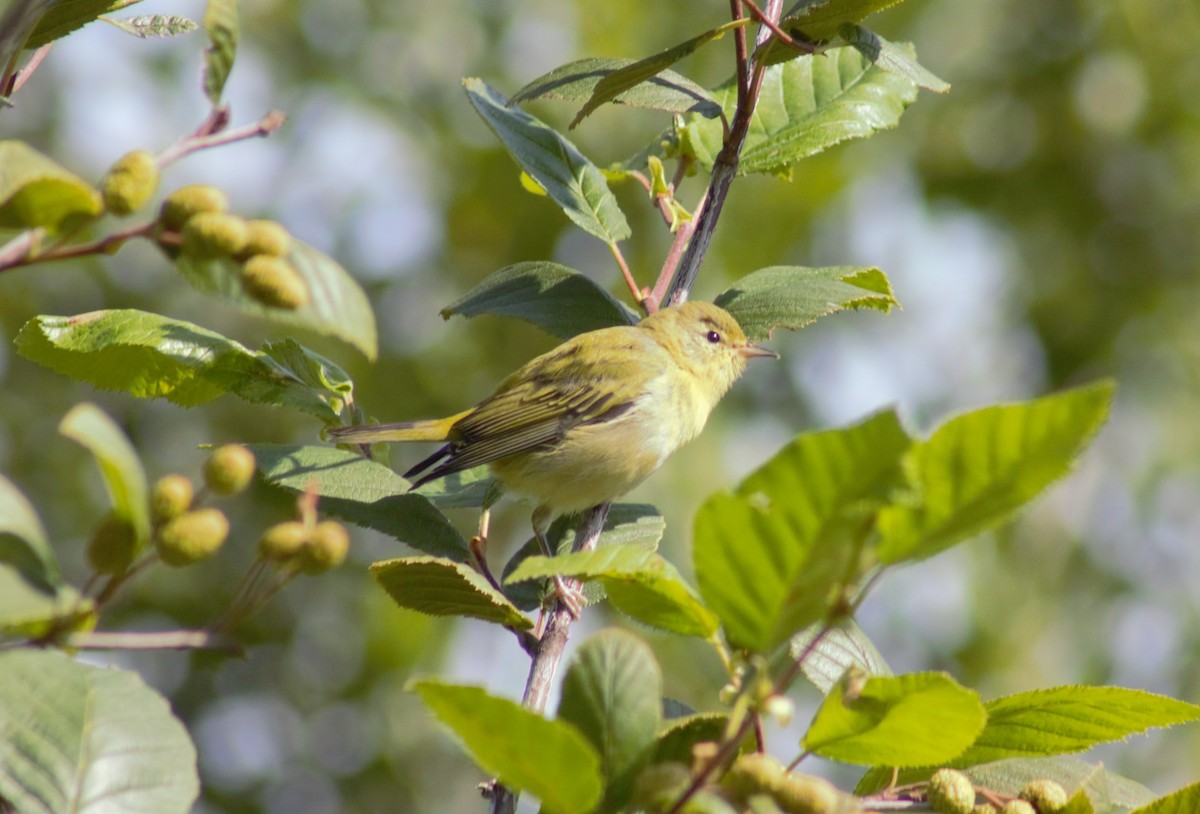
<point>229,469</point>
<point>312,550</point>
<point>199,214</point>
<point>113,544</point>
<point>129,183</point>
<point>1045,795</point>
<point>951,792</point>
<point>191,537</point>
<point>758,774</point>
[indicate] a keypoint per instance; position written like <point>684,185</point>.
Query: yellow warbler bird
<point>589,420</point>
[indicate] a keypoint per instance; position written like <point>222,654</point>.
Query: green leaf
<point>1070,719</point>
<point>678,735</point>
<point>843,647</point>
<point>563,771</point>
<point>820,20</point>
<point>23,542</point>
<point>573,182</point>
<point>442,587</point>
<point>629,77</point>
<point>559,300</point>
<point>362,492</point>
<point>337,306</point>
<point>221,25</point>
<point>979,468</point>
<point>65,16</point>
<point>771,557</point>
<point>36,192</point>
<point>89,740</point>
<point>17,22</point>
<point>1184,801</point>
<point>577,81</point>
<point>916,719</point>
<point>612,693</point>
<point>793,296</point>
<point>87,425</point>
<point>152,356</point>
<point>154,25</point>
<point>892,58</point>
<point>807,105</point>
<point>639,582</point>
<point>29,609</point>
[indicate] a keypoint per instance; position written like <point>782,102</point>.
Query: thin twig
<point>551,648</point>
<point>638,294</point>
<point>153,640</point>
<point>203,139</point>
<point>769,24</point>
<point>683,237</point>
<point>22,76</point>
<point>106,245</point>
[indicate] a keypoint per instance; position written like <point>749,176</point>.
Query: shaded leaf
<point>577,81</point>
<point>822,19</point>
<point>573,182</point>
<point>152,356</point>
<point>1104,788</point>
<point>916,719</point>
<point>37,192</point>
<point>563,771</point>
<point>31,610</point>
<point>23,542</point>
<point>807,105</point>
<point>362,492</point>
<point>559,300</point>
<point>154,25</point>
<point>639,583</point>
<point>337,306</point>
<point>65,16</point>
<point>892,58</point>
<point>771,556</point>
<point>678,736</point>
<point>612,693</point>
<point>221,25</point>
<point>842,648</point>
<point>89,740</point>
<point>629,77</point>
<point>441,587</point>
<point>1070,719</point>
<point>979,468</point>
<point>793,296</point>
<point>87,425</point>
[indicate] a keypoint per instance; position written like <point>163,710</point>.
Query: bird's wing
<point>592,378</point>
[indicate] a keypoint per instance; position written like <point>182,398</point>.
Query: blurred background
<point>1040,225</point>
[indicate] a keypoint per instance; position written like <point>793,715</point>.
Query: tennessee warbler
<point>590,419</point>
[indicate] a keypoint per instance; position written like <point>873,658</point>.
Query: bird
<point>590,419</point>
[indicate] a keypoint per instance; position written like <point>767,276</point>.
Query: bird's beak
<point>750,351</point>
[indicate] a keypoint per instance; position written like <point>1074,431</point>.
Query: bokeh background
<point>1040,224</point>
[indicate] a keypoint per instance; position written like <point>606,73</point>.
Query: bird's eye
<point>713,336</point>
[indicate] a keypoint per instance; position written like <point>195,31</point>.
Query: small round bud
<point>1047,796</point>
<point>985,808</point>
<point>274,281</point>
<point>129,183</point>
<point>801,794</point>
<point>191,537</point>
<point>951,792</point>
<point>752,774</point>
<point>186,202</point>
<point>210,234</point>
<point>266,237</point>
<point>229,469</point>
<point>780,708</point>
<point>1017,807</point>
<point>283,541</point>
<point>113,544</point>
<point>659,785</point>
<point>327,547</point>
<point>170,497</point>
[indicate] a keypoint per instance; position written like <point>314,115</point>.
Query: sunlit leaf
<point>793,296</point>
<point>573,182</point>
<point>89,740</point>
<point>563,771</point>
<point>35,191</point>
<point>1184,801</point>
<point>442,587</point>
<point>892,58</point>
<point>65,16</point>
<point>843,647</point>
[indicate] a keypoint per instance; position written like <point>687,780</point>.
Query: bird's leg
<point>479,547</point>
<point>570,595</point>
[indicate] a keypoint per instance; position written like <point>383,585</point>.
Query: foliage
<point>782,562</point>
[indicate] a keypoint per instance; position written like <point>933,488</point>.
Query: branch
<point>551,647</point>
<point>157,640</point>
<point>212,133</point>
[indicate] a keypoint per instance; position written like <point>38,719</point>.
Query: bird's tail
<point>433,429</point>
